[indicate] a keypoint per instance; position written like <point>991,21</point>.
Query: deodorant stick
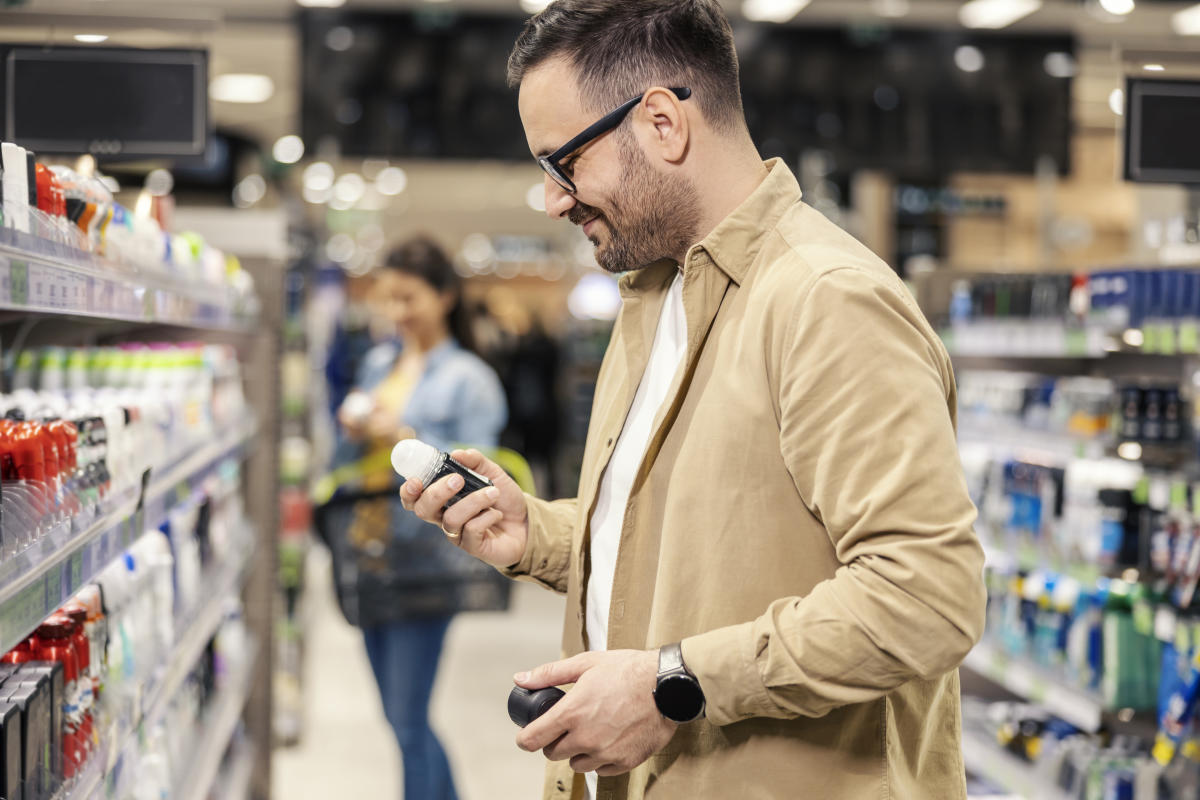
<point>412,458</point>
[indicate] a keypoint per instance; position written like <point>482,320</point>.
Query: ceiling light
<point>321,3</point>
<point>996,13</point>
<point>1118,7</point>
<point>340,248</point>
<point>1060,65</point>
<point>534,6</point>
<point>339,39</point>
<point>772,10</point>
<point>349,188</point>
<point>249,191</point>
<point>91,38</point>
<point>892,9</point>
<point>318,176</point>
<point>1153,67</point>
<point>317,196</point>
<point>288,149</point>
<point>1116,101</point>
<point>391,181</point>
<point>969,58</point>
<point>1187,21</point>
<point>241,88</point>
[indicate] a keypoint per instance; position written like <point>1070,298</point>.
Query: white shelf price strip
<point>1081,708</point>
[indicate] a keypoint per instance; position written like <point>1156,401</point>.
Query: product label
<point>19,282</point>
<point>1189,337</point>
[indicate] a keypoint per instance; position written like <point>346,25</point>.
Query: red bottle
<point>53,642</point>
<point>78,614</point>
<point>21,654</point>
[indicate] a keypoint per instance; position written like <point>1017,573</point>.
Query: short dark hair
<point>423,258</point>
<point>620,48</point>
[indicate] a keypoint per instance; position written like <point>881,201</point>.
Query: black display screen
<point>431,84</point>
<point>1162,123</point>
<point>107,101</point>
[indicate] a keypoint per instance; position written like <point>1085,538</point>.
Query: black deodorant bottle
<point>415,459</point>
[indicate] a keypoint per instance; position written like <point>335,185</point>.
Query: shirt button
<point>609,444</point>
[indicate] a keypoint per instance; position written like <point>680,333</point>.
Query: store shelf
<point>220,723</point>
<point>988,760</point>
<point>39,276</point>
<point>1026,339</point>
<point>155,699</point>
<point>35,582</point>
<point>1082,708</point>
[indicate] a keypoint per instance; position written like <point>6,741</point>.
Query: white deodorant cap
<point>413,458</point>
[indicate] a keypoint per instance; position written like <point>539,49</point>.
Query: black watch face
<point>679,698</point>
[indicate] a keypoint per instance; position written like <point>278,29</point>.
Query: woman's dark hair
<point>423,258</point>
<point>620,48</point>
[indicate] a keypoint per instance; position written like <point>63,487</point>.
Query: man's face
<point>634,213</point>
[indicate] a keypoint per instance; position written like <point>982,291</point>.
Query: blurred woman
<point>396,577</point>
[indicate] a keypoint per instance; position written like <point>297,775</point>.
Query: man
<point>770,568</point>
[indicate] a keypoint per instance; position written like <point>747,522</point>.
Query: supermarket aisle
<point>348,750</point>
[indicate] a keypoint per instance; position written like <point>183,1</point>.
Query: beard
<point>656,217</point>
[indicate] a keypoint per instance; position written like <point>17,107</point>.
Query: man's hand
<point>491,524</point>
<point>608,722</point>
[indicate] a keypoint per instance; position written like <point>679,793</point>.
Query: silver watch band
<point>670,658</point>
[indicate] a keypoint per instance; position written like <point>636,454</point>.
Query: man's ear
<point>663,124</point>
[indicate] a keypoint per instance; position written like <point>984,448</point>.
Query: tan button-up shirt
<point>799,521</point>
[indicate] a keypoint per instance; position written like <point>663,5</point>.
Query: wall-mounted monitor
<point>108,101</point>
<point>1162,119</point>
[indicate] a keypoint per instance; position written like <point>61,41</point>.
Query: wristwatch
<point>677,693</point>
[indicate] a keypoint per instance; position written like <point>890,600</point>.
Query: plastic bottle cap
<point>413,458</point>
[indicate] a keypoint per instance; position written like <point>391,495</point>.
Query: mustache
<point>581,214</point>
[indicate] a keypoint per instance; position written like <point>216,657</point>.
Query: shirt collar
<point>734,243</point>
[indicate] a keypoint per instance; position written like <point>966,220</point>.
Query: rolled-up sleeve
<point>867,435</point>
<point>547,557</point>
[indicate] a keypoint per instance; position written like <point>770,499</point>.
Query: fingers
<point>455,518</point>
<point>474,531</point>
<point>475,460</point>
<point>431,502</point>
<point>409,493</point>
<point>557,673</point>
<point>587,763</point>
<point>546,730</point>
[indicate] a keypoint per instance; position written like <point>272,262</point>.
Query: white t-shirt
<point>670,344</point>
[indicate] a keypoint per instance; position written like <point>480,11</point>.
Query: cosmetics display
<point>56,211</point>
<point>106,658</point>
<point>1064,763</point>
<point>82,427</point>
<point>1150,310</point>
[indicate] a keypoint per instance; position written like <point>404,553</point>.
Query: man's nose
<point>558,201</point>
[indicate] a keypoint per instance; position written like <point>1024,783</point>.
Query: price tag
<point>1189,337</point>
<point>1075,342</point>
<point>1150,339</point>
<point>19,275</point>
<point>76,572</point>
<point>1166,341</point>
<point>39,287</point>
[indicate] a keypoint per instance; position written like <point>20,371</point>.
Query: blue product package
<point>1173,294</point>
<point>1177,717</point>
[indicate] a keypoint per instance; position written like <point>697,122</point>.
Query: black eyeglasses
<point>603,125</point>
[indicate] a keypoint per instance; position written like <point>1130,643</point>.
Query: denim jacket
<point>457,401</point>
